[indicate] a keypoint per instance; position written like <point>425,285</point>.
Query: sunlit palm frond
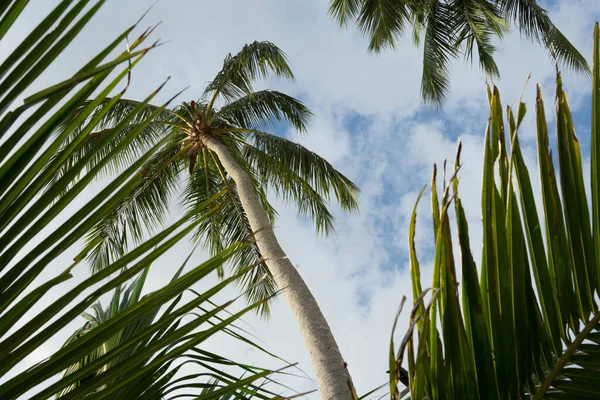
<point>545,261</point>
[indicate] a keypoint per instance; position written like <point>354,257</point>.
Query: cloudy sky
<point>369,122</point>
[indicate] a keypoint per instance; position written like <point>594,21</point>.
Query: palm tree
<point>529,322</point>
<point>40,232</point>
<point>221,143</point>
<point>453,28</point>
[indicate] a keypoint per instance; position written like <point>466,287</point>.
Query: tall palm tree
<point>454,28</point>
<point>218,145</point>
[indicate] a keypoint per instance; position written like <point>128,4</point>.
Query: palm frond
<point>111,115</point>
<point>292,188</point>
<point>533,22</point>
<point>253,62</point>
<point>475,23</point>
<point>545,262</point>
<point>344,10</point>
<point>259,109</point>
<point>142,210</point>
<point>438,49</point>
<point>36,233</point>
<point>383,21</point>
<point>317,172</point>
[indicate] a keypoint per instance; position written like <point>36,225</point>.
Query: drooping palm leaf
<point>454,27</point>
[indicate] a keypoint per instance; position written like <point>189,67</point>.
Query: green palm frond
<point>288,156</point>
<point>142,210</point>
<point>292,188</point>
<point>164,379</point>
<point>383,21</point>
<point>253,62</point>
<point>129,350</point>
<point>344,11</point>
<point>452,25</point>
<point>109,114</point>
<point>533,21</point>
<point>438,50</point>
<point>260,109</point>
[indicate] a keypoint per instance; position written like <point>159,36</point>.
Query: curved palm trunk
<point>332,376</point>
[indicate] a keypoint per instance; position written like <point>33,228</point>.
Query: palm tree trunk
<point>332,375</point>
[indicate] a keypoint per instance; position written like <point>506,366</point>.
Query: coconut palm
<point>454,28</point>
<point>219,147</point>
<point>40,232</point>
<point>528,325</point>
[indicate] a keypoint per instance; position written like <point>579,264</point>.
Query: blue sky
<point>369,122</point>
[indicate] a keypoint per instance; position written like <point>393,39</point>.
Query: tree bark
<point>332,375</point>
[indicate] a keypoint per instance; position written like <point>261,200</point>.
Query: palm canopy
<point>242,121</point>
<point>453,28</point>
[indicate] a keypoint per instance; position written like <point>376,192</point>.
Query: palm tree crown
<point>241,122</point>
<point>453,28</point>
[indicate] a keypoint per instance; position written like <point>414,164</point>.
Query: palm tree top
<point>241,121</point>
<point>450,29</point>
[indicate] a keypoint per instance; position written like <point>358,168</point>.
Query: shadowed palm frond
<point>383,21</point>
<point>321,176</point>
<point>476,23</point>
<point>533,21</point>
<point>166,379</point>
<point>450,26</point>
<point>142,210</point>
<point>438,50</point>
<point>126,351</point>
<point>292,188</point>
<point>102,123</point>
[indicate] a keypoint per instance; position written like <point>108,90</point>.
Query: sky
<point>369,123</point>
